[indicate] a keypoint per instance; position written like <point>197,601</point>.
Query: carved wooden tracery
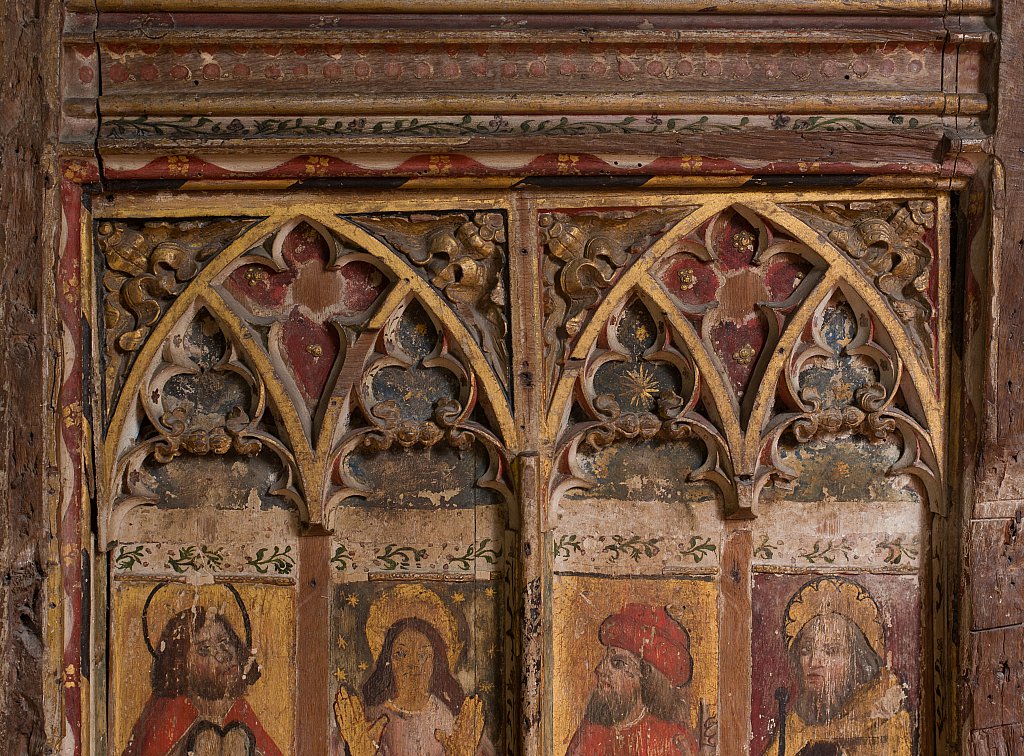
<point>342,375</point>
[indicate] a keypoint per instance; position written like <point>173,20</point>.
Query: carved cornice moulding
<point>482,102</point>
<point>150,81</point>
<point>838,7</point>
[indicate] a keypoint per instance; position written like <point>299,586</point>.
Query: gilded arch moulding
<point>894,273</point>
<point>227,280</point>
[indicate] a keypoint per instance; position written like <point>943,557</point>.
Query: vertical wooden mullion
<point>312,646</point>
<point>528,393</point>
<point>735,621</point>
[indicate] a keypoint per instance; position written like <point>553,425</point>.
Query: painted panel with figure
<point>635,666</point>
<point>199,669</point>
<point>417,666</point>
<point>838,665</point>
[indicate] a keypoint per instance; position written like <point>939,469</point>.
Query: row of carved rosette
<point>313,344</point>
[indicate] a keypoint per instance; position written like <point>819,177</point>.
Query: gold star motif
<point>640,385</point>
<point>342,643</point>
<point>641,333</point>
<point>486,687</point>
<point>340,675</point>
<point>489,592</point>
<point>492,650</point>
<point>254,274</point>
<point>352,599</point>
<point>458,598</point>
<point>363,666</point>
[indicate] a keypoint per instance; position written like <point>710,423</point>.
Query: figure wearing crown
<point>411,702</point>
<point>848,702</point>
<point>201,671</point>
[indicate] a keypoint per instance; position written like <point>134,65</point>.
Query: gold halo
<point>830,595</point>
<point>169,599</point>
<point>403,602</point>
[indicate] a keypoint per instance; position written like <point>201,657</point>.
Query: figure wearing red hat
<point>636,708</point>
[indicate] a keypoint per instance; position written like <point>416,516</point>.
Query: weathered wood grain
<point>28,50</point>
<point>993,698</point>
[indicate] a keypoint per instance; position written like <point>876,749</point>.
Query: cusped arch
<point>408,281</point>
<point>926,382</point>
<point>658,407</point>
<point>891,405</point>
<point>237,430</point>
<point>425,413</point>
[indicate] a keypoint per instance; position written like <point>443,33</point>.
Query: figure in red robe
<point>200,674</point>
<point>637,707</point>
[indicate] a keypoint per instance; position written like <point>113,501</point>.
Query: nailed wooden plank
<point>996,572</point>
<point>997,677</point>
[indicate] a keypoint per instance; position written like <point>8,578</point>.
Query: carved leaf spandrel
<point>585,253</point>
<point>464,256</point>
<point>892,244</point>
<point>148,264</point>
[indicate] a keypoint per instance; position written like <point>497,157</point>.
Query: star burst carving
<point>640,385</point>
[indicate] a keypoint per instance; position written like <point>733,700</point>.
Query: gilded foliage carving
<point>464,256</point>
<point>147,265</point>
<point>391,428</point>
<point>585,253</point>
<point>892,244</point>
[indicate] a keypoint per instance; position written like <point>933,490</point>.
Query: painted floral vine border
<point>467,125</point>
<point>889,552</point>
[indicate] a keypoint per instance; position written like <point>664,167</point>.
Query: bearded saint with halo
<point>848,702</point>
<point>411,702</point>
<point>201,671</point>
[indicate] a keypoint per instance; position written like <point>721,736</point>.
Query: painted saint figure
<point>412,703</point>
<point>201,671</point>
<point>848,701</point>
<point>638,707</point>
